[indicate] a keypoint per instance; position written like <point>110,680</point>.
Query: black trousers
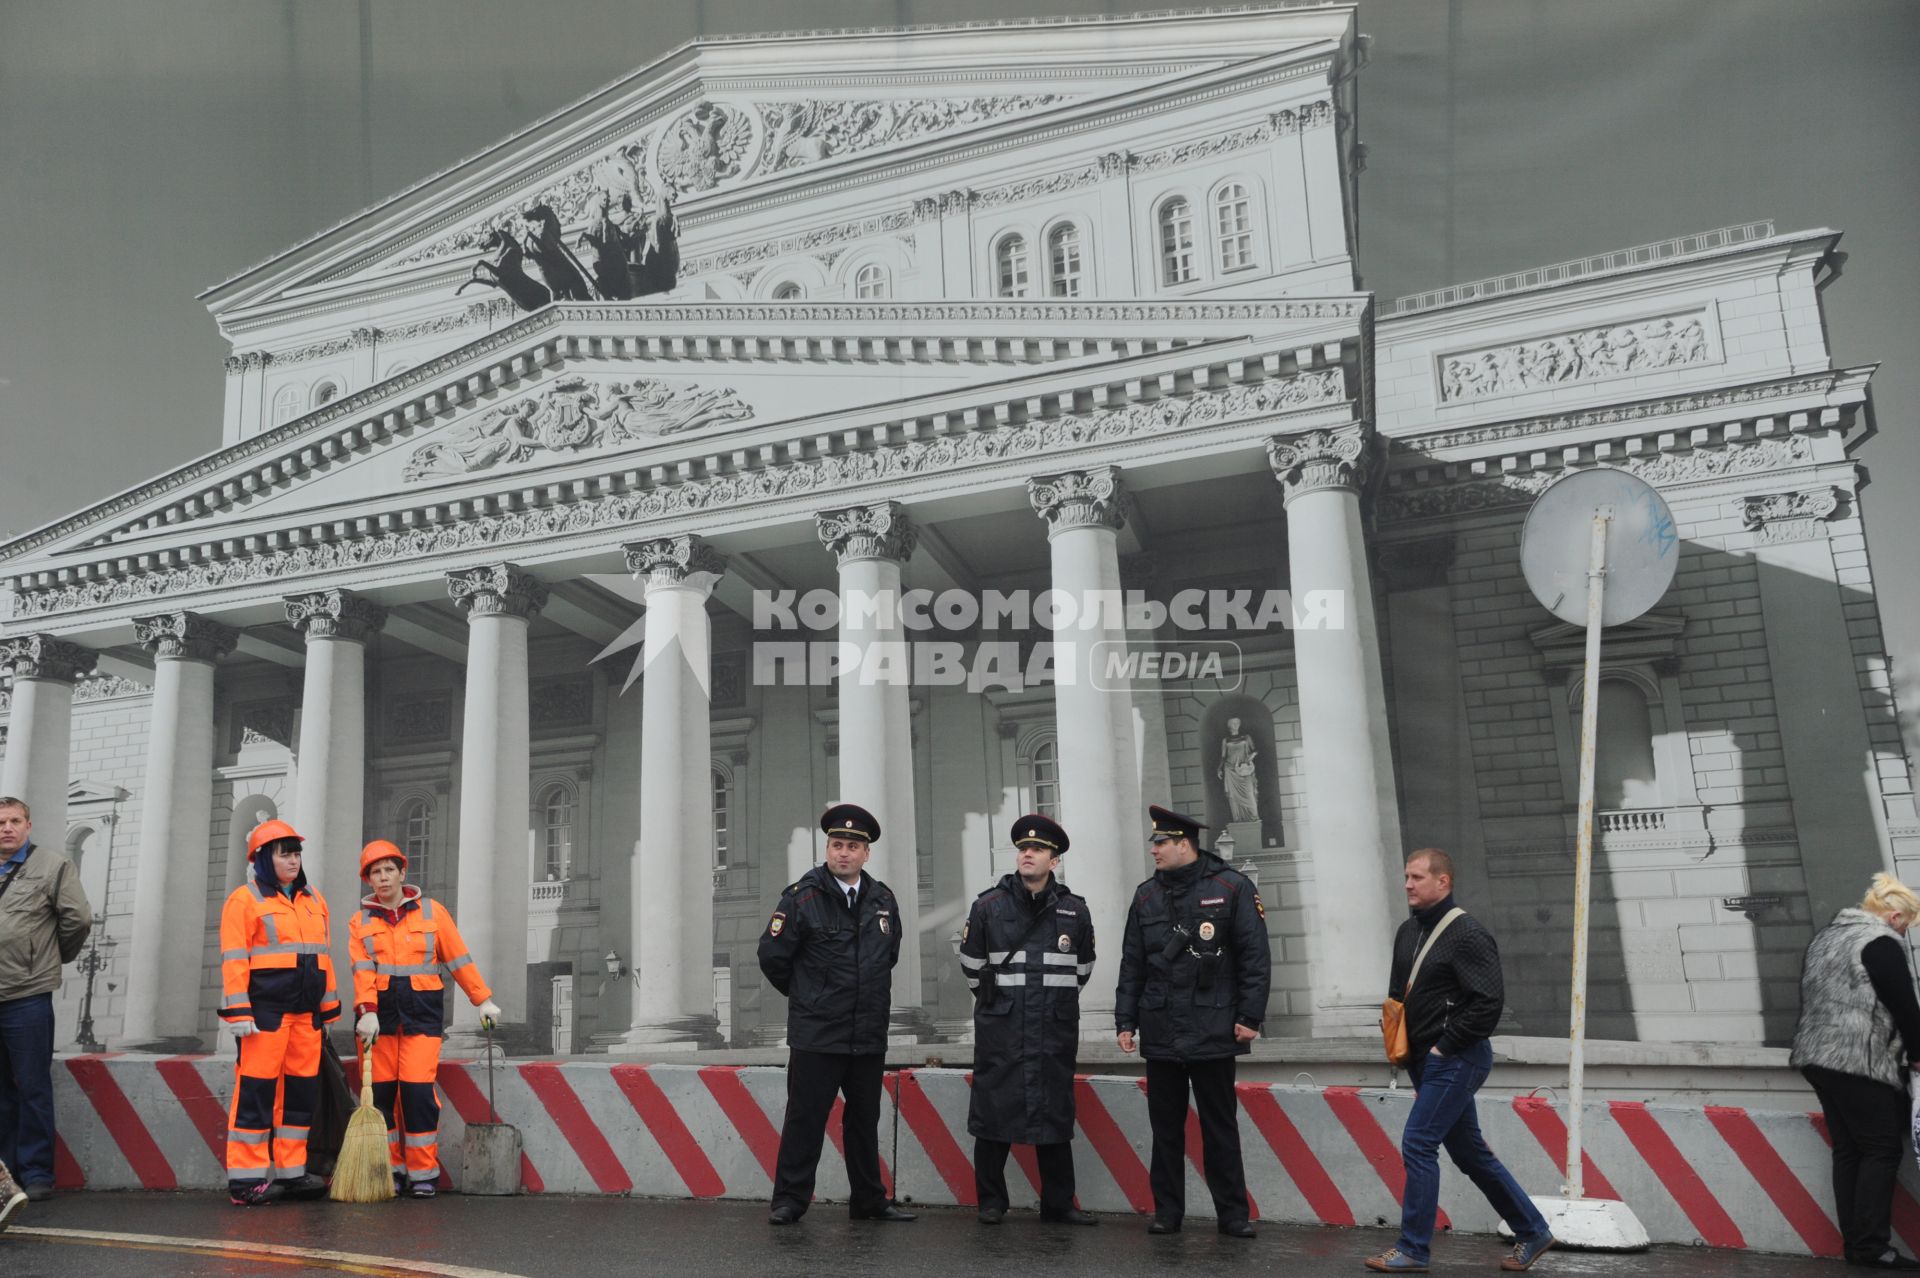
<point>1867,1121</point>
<point>1212,1086</point>
<point>813,1079</point>
<point>1056,1175</point>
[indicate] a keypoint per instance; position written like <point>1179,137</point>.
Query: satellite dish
<point>1643,546</point>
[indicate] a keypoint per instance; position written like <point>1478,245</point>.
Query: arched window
<point>788,292</point>
<point>1043,777</point>
<point>416,838</point>
<point>722,817</point>
<point>1063,261</point>
<point>1625,775</point>
<point>1176,242</point>
<point>326,392</point>
<point>286,404</point>
<point>1010,267</point>
<point>556,831</point>
<point>1233,222</point>
<point>870,282</point>
<point>77,840</point>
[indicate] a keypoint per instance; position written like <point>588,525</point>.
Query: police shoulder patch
<point>777,923</point>
<point>1258,904</point>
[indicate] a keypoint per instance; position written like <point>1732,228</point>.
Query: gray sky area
<point>152,148</point>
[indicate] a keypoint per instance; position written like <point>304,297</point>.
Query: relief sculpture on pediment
<point>575,415</point>
<point>1589,354</point>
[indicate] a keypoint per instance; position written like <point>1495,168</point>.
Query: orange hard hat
<point>271,832</point>
<point>380,850</point>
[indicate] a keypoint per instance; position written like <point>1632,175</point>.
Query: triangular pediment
<point>720,116</point>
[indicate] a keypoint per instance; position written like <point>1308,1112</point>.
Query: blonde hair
<point>1891,899</point>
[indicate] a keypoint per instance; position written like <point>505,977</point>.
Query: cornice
<point>431,387</point>
<point>985,435</point>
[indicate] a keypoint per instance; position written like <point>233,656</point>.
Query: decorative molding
<point>797,476</point>
<point>1091,498</point>
<point>107,688</point>
<point>1666,469</point>
<point>574,415</point>
<point>1597,353</point>
<point>261,723</point>
<point>1203,148</point>
<point>1787,517</point>
<point>802,133</point>
<point>1320,459</point>
<point>184,636</point>
<point>335,614</point>
<point>423,717</point>
<point>565,702</point>
<point>882,530</point>
<point>45,657</point>
<point>669,561</point>
<point>497,590</point>
<point>804,242</point>
<point>1035,188</point>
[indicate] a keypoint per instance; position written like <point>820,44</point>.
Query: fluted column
<point>672,913</point>
<point>40,731</point>
<point>165,956</point>
<point>1353,817</point>
<point>329,804</point>
<point>876,728</point>
<point>491,899</point>
<point>1100,802</point>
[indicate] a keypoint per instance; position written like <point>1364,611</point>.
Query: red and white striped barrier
<point>1723,1176</point>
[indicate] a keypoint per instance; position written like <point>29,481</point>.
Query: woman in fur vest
<point>1858,1042</point>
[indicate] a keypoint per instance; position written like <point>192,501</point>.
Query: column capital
<point>184,636</point>
<point>669,561</point>
<point>41,656</point>
<point>334,614</point>
<point>497,590</point>
<point>1317,459</point>
<point>1091,498</point>
<point>883,530</point>
<point>1789,516</point>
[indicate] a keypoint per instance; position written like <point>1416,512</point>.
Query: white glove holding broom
<point>360,1172</point>
<point>368,1027</point>
<point>489,1014</point>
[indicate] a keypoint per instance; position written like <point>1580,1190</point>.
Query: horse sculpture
<point>655,263</point>
<point>507,272</point>
<point>548,249</point>
<point>611,243</point>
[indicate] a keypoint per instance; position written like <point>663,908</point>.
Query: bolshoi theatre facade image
<point>776,426</point>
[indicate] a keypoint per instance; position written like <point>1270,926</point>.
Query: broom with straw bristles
<point>361,1175</point>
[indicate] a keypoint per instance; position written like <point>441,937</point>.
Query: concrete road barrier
<point>1718,1175</point>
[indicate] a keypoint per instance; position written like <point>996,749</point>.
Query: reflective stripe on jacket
<point>273,956</point>
<point>400,953</point>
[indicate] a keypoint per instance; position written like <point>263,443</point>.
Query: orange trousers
<point>404,1069</point>
<point>276,1086</point>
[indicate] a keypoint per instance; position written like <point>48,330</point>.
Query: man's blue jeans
<point>1443,1115</point>
<point>26,1088</point>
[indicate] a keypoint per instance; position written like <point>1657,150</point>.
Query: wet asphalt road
<point>549,1235</point>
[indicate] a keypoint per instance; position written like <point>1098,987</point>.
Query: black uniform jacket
<point>836,969</point>
<point>1194,962</point>
<point>1026,960</point>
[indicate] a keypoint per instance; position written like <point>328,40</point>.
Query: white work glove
<point>240,1029</point>
<point>368,1028</point>
<point>489,1014</point>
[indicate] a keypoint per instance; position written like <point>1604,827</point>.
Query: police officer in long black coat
<point>830,948</point>
<point>1027,948</point>
<point>1194,973</point>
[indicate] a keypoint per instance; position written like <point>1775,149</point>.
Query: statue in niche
<point>1235,770</point>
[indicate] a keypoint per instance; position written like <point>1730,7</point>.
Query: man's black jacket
<point>834,966</point>
<point>1460,993</point>
<point>1185,992</point>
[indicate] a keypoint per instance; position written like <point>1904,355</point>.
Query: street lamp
<point>97,959</point>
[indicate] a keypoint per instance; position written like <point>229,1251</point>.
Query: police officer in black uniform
<point>830,948</point>
<point>1193,987</point>
<point>1027,948</point>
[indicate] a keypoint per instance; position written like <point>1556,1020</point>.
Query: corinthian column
<point>671,923</point>
<point>329,804</point>
<point>499,601</point>
<point>170,880</point>
<point>40,731</point>
<point>1353,817</point>
<point>876,728</point>
<point>1100,803</point>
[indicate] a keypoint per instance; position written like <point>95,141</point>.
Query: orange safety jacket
<point>400,959</point>
<point>273,956</point>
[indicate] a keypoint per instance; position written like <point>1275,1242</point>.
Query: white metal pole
<point>1583,854</point>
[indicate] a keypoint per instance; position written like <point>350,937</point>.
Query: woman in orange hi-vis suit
<point>276,979</point>
<point>402,945</point>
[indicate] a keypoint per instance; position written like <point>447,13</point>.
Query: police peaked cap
<point>1168,824</point>
<point>850,821</point>
<point>1034,828</point>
